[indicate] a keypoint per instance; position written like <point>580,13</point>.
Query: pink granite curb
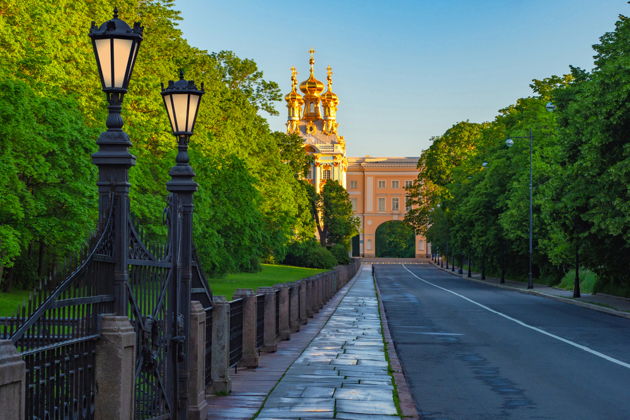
<point>407,404</point>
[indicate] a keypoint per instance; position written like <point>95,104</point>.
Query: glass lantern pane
<point>122,50</point>
<point>169,110</point>
<point>134,54</point>
<point>192,109</point>
<point>180,102</point>
<point>104,55</point>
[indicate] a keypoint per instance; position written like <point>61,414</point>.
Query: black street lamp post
<point>509,142</point>
<point>181,99</point>
<point>115,47</point>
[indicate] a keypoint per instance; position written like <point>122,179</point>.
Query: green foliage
<point>309,253</point>
<point>250,202</point>
<point>339,224</point>
<point>581,174</point>
<point>341,253</point>
<point>395,239</point>
<point>588,280</point>
<point>45,173</point>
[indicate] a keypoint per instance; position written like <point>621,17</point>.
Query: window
<point>381,204</point>
<point>326,174</point>
<point>353,201</point>
<point>395,204</point>
<point>407,206</point>
<point>408,184</point>
<point>354,185</point>
<point>369,244</point>
<point>395,184</point>
<point>310,173</point>
<point>420,245</point>
<point>381,184</point>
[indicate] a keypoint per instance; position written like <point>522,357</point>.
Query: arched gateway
<point>376,184</point>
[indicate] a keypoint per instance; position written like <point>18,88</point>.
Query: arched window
<point>312,108</point>
<point>326,174</point>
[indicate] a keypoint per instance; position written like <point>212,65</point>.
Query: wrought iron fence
<point>56,333</point>
<point>260,320</point>
<point>236,331</point>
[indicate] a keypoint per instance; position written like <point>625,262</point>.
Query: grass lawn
<point>10,302</point>
<point>587,281</point>
<point>269,275</point>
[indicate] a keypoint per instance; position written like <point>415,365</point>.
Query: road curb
<point>586,305</point>
<point>407,403</point>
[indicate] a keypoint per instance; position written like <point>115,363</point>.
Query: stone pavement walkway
<point>250,387</point>
<point>343,371</point>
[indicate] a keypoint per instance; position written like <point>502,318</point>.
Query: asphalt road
<point>472,351</point>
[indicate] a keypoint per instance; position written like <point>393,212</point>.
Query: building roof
<point>371,161</point>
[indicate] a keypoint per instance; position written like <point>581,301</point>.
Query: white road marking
<point>531,327</point>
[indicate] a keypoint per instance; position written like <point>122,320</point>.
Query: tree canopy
<point>471,197</point>
<point>251,202</point>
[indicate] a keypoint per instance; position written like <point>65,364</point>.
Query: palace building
<point>376,184</point>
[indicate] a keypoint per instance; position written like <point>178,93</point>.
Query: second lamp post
<point>181,99</point>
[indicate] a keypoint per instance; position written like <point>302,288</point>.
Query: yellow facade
<point>376,185</point>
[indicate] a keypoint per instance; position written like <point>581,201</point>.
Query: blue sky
<point>406,70</point>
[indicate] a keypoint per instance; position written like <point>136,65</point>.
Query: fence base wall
<point>12,382</point>
<point>197,404</point>
<point>115,369</point>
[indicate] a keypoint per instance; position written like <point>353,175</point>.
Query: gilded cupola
<point>330,100</point>
<point>294,104</point>
<point>312,89</point>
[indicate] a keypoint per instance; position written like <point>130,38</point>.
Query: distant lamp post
<point>115,47</point>
<point>509,143</point>
<point>181,99</point>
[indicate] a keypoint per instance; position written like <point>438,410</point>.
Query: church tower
<point>319,130</point>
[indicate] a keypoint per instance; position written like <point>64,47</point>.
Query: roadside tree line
<point>471,197</point>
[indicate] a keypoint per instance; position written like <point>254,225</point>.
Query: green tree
<point>395,239</point>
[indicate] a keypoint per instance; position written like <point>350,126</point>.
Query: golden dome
<point>312,86</point>
<point>330,96</point>
<point>293,96</point>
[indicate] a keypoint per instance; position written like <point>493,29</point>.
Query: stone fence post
<point>115,368</point>
<point>310,297</point>
<point>283,317</point>
<point>294,313</point>
<point>197,404</point>
<point>12,382</point>
<point>250,354</point>
<point>269,339</point>
<point>221,382</point>
<point>303,301</point>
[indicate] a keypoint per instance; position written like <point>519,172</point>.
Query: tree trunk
<point>502,274</point>
<point>461,264</point>
<point>576,281</point>
<point>469,267</point>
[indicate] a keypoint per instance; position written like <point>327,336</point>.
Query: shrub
<point>341,254</point>
<point>309,254</point>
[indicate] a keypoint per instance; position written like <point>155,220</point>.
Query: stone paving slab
<point>343,371</point>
